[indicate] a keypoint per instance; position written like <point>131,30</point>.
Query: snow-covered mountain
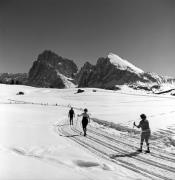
<point>123,64</point>
<point>113,70</point>
<point>151,76</point>
<point>51,70</point>
<point>162,79</point>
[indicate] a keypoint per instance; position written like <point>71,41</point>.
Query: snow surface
<point>123,64</point>
<point>66,80</point>
<point>32,148</point>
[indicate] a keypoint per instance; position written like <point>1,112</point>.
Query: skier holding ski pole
<point>146,132</point>
<point>85,120</point>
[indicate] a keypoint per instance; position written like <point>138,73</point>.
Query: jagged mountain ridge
<point>113,70</point>
<point>52,70</point>
<point>13,78</point>
<point>105,75</point>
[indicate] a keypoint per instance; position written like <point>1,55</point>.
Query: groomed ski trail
<point>151,166</point>
<point>157,165</point>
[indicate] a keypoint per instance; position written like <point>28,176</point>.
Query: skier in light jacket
<point>146,132</point>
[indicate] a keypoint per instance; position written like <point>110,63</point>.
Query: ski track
<point>115,150</point>
<point>100,153</point>
<point>104,145</point>
<point>126,154</point>
<point>120,140</point>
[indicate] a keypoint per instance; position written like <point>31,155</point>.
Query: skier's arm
<point>138,126</point>
<point>80,115</point>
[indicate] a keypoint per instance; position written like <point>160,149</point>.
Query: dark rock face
<point>45,71</point>
<point>83,78</point>
<point>105,75</point>
<point>49,70</point>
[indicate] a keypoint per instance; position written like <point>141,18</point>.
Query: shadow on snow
<point>131,154</point>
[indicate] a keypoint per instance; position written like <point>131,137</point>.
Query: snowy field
<point>32,146</point>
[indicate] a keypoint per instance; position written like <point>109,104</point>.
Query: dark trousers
<point>84,125</point>
<point>71,120</point>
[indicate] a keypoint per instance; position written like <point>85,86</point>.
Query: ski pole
<point>76,122</point>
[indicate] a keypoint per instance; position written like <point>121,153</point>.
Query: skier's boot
<point>140,149</point>
<point>147,151</point>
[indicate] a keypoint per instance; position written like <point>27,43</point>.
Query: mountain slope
<point>52,70</point>
<point>113,70</point>
<point>49,69</point>
<point>109,72</point>
<point>16,78</point>
<point>123,64</point>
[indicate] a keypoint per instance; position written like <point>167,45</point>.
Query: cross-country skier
<point>71,115</point>
<point>85,120</point>
<point>145,134</point>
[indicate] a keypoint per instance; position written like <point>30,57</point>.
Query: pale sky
<point>141,31</point>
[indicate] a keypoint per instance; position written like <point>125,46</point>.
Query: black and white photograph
<point>87,89</point>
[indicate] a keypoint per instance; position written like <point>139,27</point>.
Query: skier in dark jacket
<point>85,120</point>
<point>71,115</point>
<point>146,132</point>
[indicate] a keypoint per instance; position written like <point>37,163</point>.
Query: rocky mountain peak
<point>123,64</point>
<point>52,70</point>
<point>65,66</point>
<point>47,56</point>
<point>47,71</point>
